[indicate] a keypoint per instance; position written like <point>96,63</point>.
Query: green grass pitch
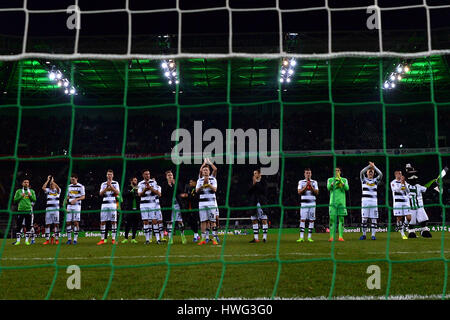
<point>251,270</point>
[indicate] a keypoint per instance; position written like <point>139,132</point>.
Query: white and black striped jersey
<point>415,195</point>
<point>207,197</point>
<point>149,199</point>
<point>400,193</point>
<point>75,191</point>
<point>308,198</point>
<point>52,199</point>
<point>369,186</point>
<point>109,198</point>
<point>369,190</point>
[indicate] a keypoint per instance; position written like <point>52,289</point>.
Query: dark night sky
<point>198,28</point>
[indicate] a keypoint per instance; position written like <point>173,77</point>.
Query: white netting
<point>231,53</point>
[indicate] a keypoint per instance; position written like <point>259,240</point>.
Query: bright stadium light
<point>66,91</point>
<point>396,75</point>
<point>66,83</point>
<point>177,82</point>
<point>59,84</point>
<point>58,75</point>
<point>170,71</point>
<point>52,76</point>
<point>287,69</point>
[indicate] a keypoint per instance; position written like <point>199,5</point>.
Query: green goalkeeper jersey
<point>337,195</point>
<point>25,198</point>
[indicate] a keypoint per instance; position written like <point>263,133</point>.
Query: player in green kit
<point>337,187</point>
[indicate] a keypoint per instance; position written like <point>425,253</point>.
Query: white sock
<point>374,227</point>
<point>302,229</point>
<point>113,231</point>
<point>196,235</point>
<point>406,225</point>
<point>310,229</point>
<point>47,233</point>
<point>265,227</point>
<point>169,229</point>
<point>364,226</point>
<point>103,231</point>
<point>75,233</point>
<point>147,232</point>
<point>255,231</point>
<point>401,227</point>
<point>156,230</point>
<point>69,233</point>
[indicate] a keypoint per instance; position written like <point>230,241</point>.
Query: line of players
<point>146,195</point>
<point>407,199</point>
<point>408,206</point>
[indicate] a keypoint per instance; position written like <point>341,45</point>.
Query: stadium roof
<point>101,82</point>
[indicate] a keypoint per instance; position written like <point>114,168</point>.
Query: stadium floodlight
<point>52,76</point>
<point>58,75</point>
<point>66,83</point>
<point>170,71</point>
<point>59,84</point>
<point>177,82</point>
<point>287,69</point>
<point>72,90</point>
<point>66,91</point>
<point>396,75</point>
